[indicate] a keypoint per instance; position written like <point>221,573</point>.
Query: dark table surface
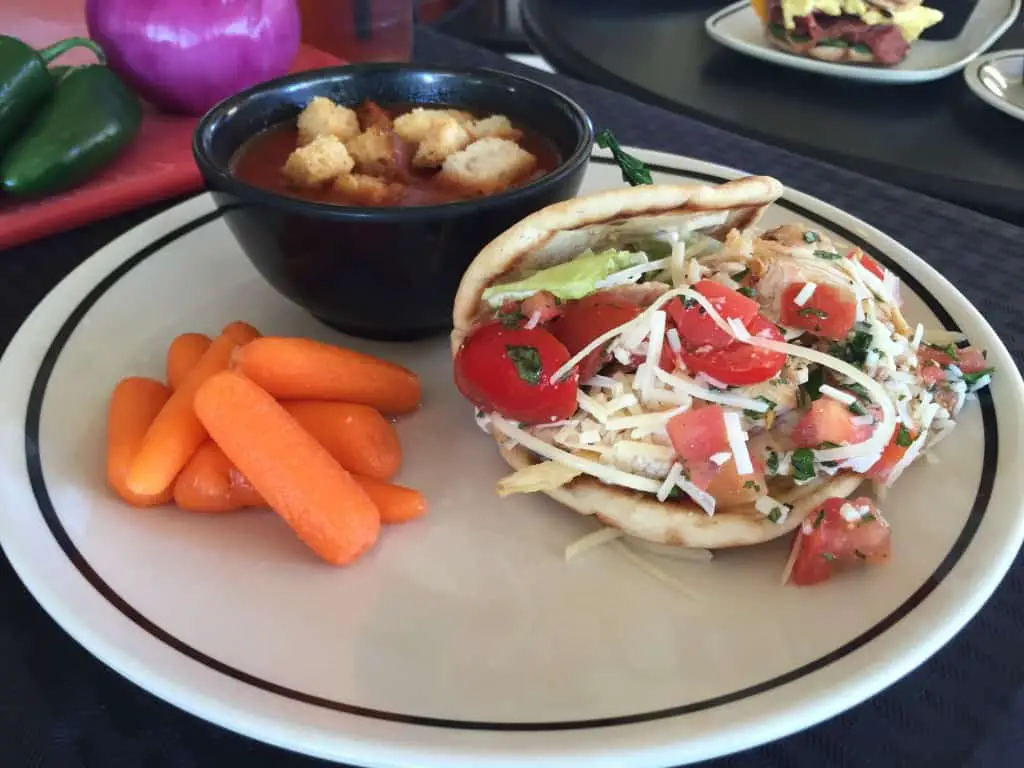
<point>937,138</point>
<point>964,708</point>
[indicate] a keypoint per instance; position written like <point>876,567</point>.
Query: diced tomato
<point>827,540</point>
<point>698,434</point>
<point>695,326</point>
<point>583,321</point>
<point>508,370</point>
<point>829,313</point>
<point>892,454</point>
<point>731,488</point>
<point>544,305</point>
<point>968,359</point>
<point>828,421</point>
<point>867,262</point>
<point>740,363</point>
<point>931,374</point>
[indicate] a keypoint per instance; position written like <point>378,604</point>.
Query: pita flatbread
<point>562,231</point>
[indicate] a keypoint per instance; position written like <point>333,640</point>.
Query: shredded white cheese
<point>721,458</point>
<point>670,481</point>
<point>837,394</point>
<point>737,439</point>
<point>805,294</point>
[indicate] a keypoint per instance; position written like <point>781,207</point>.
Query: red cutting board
<point>158,165</point>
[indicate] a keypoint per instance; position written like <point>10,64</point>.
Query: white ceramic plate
<point>998,79</point>
<point>738,27</point>
<point>464,639</point>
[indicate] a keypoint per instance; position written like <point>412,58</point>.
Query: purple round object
<point>184,57</point>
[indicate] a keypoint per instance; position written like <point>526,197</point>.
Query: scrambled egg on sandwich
<point>912,21</point>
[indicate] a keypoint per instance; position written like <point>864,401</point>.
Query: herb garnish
<point>775,514</point>
<point>741,275</point>
<point>772,463</point>
<point>803,465</point>
<point>970,379</point>
<point>511,318</point>
<point>827,255</point>
<point>828,556</point>
<point>857,409</point>
<point>747,291</point>
<point>812,387</point>
<point>868,518</point>
<point>755,415</point>
<point>634,172</point>
<point>855,349</point>
<point>811,237</point>
<point>857,389</point>
<point>820,518</point>
<point>812,312</point>
<point>527,362</point>
<point>689,303</point>
<point>903,437</point>
<point>752,484</point>
<point>951,350</point>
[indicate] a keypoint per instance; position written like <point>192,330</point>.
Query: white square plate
<point>738,27</point>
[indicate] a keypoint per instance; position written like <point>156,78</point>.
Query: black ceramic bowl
<point>384,273</point>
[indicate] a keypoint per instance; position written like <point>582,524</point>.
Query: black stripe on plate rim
<point>53,522</point>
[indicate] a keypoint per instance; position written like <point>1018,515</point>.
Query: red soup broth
<point>260,159</point>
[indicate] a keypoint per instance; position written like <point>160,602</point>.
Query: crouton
<point>445,137</point>
<point>414,125</point>
<point>368,190</point>
<point>318,162</point>
<point>322,117</point>
<point>497,126</point>
<point>373,151</point>
<point>487,166</point>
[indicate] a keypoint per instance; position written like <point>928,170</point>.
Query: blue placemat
<point>60,708</point>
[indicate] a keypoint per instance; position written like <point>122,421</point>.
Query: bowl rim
<point>224,180</point>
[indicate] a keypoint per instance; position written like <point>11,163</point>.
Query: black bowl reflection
<point>384,273</point>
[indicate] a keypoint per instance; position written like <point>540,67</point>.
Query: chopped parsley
<point>775,514</point>
<point>857,409</point>
<point>803,465</point>
<point>511,318</point>
<point>741,275</point>
<point>951,350</point>
<point>747,291</point>
<point>970,379</point>
<point>855,349</point>
<point>772,463</point>
<point>812,312</point>
<point>868,518</point>
<point>675,493</point>
<point>634,172</point>
<point>828,556</point>
<point>811,237</point>
<point>527,362</point>
<point>812,387</point>
<point>903,437</point>
<point>819,518</point>
<point>753,485</point>
<point>757,414</point>
<point>689,303</point>
<point>857,389</point>
<point>826,445</point>
<point>827,255</point>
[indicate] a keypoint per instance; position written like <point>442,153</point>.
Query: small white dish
<point>738,27</point>
<point>465,639</point>
<point>998,79</point>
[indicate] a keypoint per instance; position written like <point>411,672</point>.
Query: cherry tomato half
<point>828,421</point>
<point>695,326</point>
<point>740,363</point>
<point>583,321</point>
<point>508,370</point>
<point>828,539</point>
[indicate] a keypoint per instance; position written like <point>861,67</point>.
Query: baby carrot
<point>211,483</point>
<point>176,433</point>
<point>242,333</point>
<point>183,354</point>
<point>357,436</point>
<point>321,502</point>
<point>134,404</point>
<point>397,504</point>
<point>303,369</point>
